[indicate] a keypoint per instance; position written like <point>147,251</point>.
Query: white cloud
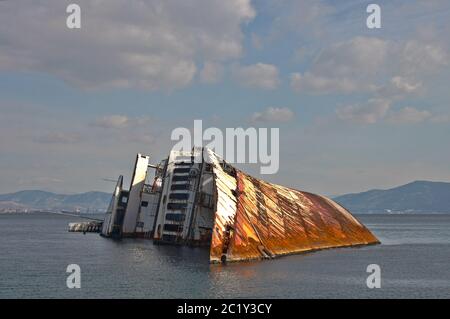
<point>408,115</point>
<point>405,85</point>
<point>58,138</point>
<point>259,75</point>
<point>211,73</point>
<point>400,87</point>
<point>344,67</point>
<point>117,121</point>
<point>419,57</point>
<point>112,122</point>
<point>273,114</point>
<point>369,64</point>
<point>369,113</point>
<point>359,55</point>
<point>379,110</point>
<point>145,44</point>
<point>320,84</point>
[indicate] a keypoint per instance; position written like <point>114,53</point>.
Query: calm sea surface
<point>35,250</point>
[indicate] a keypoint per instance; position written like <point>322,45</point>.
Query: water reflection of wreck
<point>196,198</point>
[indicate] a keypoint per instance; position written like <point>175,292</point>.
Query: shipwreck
<point>196,198</point>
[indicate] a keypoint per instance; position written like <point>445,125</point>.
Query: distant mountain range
<point>40,200</point>
<point>415,197</point>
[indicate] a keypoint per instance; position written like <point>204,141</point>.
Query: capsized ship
<point>196,198</point>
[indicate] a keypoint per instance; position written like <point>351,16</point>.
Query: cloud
<point>58,138</point>
<point>259,75</point>
<point>117,121</point>
<point>405,85</point>
<point>385,70</point>
<point>304,19</point>
<point>273,114</point>
<point>211,73</point>
<point>112,122</point>
<point>408,115</point>
<point>400,87</point>
<point>369,113</point>
<point>419,57</point>
<point>321,84</point>
<point>344,67</point>
<point>149,45</point>
<point>381,110</point>
<point>370,64</point>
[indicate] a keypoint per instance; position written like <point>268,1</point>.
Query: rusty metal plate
<point>256,220</point>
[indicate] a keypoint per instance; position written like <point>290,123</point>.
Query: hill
<point>40,200</point>
<point>415,197</point>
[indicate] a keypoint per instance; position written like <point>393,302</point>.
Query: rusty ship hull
<point>257,220</point>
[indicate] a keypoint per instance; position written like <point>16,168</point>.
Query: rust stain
<point>225,210</point>
<point>256,219</point>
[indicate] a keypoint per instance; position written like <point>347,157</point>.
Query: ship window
<point>175,217</point>
<point>144,204</point>
<point>174,206</point>
<point>173,227</point>
<point>177,187</point>
<point>180,178</point>
<point>140,224</point>
<point>169,238</point>
<point>180,196</point>
<point>181,170</point>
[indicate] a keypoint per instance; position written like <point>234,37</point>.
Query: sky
<point>357,108</point>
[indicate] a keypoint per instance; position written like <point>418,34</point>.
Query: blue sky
<point>357,108</point>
